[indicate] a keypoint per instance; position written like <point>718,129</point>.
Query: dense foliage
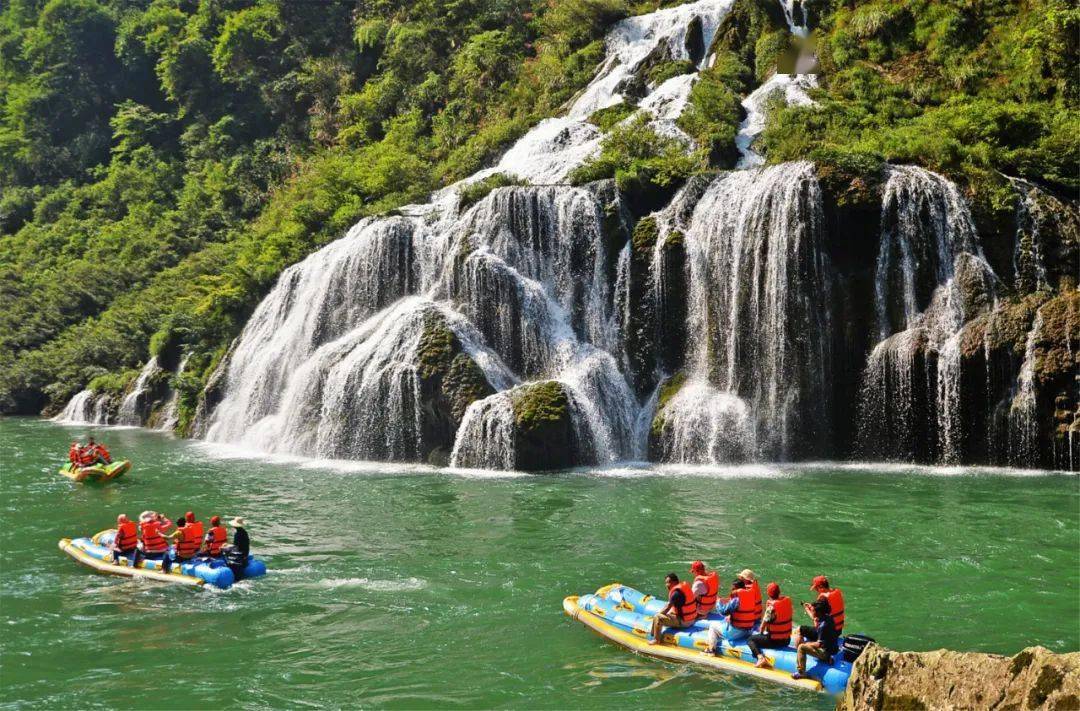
<point>161,161</point>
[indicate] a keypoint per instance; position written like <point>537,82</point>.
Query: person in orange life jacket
<point>73,454</point>
<point>187,543</point>
<point>190,518</point>
<point>680,611</point>
<point>820,585</point>
<point>126,542</point>
<point>748,577</point>
<point>96,453</point>
<point>775,625</point>
<point>706,587</point>
<point>826,640</point>
<point>215,537</point>
<point>155,544</point>
<point>738,612</point>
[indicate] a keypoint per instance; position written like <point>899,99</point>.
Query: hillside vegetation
<point>161,162</point>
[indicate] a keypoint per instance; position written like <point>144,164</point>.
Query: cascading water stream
<point>132,408</point>
<point>1023,422</point>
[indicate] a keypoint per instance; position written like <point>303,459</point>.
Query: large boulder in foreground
<point>1036,678</point>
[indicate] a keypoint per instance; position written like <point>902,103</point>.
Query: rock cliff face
<point>1033,679</point>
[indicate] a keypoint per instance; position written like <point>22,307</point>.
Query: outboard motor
<point>236,560</point>
<point>854,644</point>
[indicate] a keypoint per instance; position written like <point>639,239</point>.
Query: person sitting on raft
<point>775,625</point>
<point>74,452</point>
<point>680,611</point>
<point>739,617</point>
<point>824,641</point>
<point>820,585</point>
<point>241,541</point>
<point>96,453</point>
<point>198,526</point>
<point>126,542</point>
<point>748,577</point>
<point>155,545</point>
<point>215,538</point>
<point>706,588</point>
<point>187,542</point>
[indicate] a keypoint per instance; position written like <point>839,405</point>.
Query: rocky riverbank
<point>1036,678</point>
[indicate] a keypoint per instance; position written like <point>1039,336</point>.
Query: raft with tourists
<point>96,472</point>
<point>624,616</point>
<point>219,572</point>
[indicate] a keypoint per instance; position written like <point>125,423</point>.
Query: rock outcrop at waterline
<point>1033,679</point>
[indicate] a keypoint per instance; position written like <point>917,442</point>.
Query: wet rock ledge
<point>1036,678</point>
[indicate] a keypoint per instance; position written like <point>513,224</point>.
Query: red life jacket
<point>152,540</point>
<point>707,602</point>
<point>73,454</point>
<point>836,605</point>
<point>86,457</point>
<point>197,527</point>
<point>689,609</point>
<point>744,617</point>
<point>99,450</point>
<point>780,627</point>
<point>215,539</point>
<point>188,544</point>
<point>126,536</point>
<point>759,608</point>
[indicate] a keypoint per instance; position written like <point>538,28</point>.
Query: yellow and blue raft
<point>624,615</point>
<point>96,553</point>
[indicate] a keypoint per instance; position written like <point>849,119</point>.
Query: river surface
<point>406,587</point>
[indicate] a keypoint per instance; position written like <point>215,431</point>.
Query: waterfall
<point>132,411</point>
<point>795,14</point>
<point>170,416</point>
<point>759,298</point>
<point>791,88</point>
<point>702,425</point>
<point>1023,422</point>
<point>80,408</point>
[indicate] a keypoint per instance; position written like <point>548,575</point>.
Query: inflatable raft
<point>96,553</point>
<point>624,615</point>
<point>97,472</point>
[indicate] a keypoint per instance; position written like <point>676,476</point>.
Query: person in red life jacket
<point>215,537</point>
<point>73,454</point>
<point>751,581</point>
<point>775,625</point>
<point>820,585</point>
<point>85,456</point>
<point>126,542</point>
<point>738,612</point>
<point>681,608</point>
<point>706,587</point>
<point>95,453</point>
<point>186,539</point>
<point>198,527</point>
<point>102,453</point>
<point>155,544</point>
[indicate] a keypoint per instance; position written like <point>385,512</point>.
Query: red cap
<point>819,581</point>
<point>189,516</point>
<point>215,520</point>
<point>697,568</point>
<point>772,590</point>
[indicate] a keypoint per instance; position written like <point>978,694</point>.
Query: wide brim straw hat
<point>747,575</point>
<point>237,522</point>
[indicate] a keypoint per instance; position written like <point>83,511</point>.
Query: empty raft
<point>623,615</point>
<point>96,553</point>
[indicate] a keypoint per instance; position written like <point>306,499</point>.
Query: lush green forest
<point>162,161</point>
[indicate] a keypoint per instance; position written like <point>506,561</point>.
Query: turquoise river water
<point>408,587</point>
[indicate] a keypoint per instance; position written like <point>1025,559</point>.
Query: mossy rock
<point>473,193</point>
<point>544,428</point>
<point>643,239</point>
<point>660,73</point>
<point>464,384</point>
<point>607,117</point>
<point>668,389</point>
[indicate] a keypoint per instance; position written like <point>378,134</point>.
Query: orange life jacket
<point>759,608</point>
<point>99,450</point>
<point>198,528</point>
<point>86,456</point>
<point>188,544</point>
<point>707,602</point>
<point>126,536</point>
<point>744,617</point>
<point>780,627</point>
<point>836,606</point>
<point>688,611</point>
<point>73,454</point>
<point>215,539</point>
<point>152,540</point>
